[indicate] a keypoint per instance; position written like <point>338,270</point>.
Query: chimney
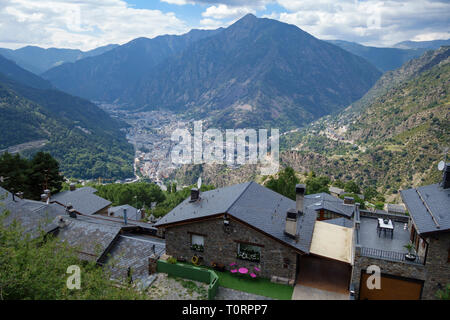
<point>291,223</point>
<point>72,213</point>
<point>299,196</point>
<point>72,186</point>
<point>47,192</point>
<point>44,197</point>
<point>349,200</point>
<point>446,177</point>
<point>62,223</point>
<point>125,220</point>
<point>195,195</point>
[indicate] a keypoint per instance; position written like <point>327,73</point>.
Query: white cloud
<point>369,22</point>
<point>83,24</point>
<point>231,3</point>
<point>224,12</point>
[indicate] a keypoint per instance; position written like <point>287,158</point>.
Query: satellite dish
<point>199,183</point>
<point>441,165</point>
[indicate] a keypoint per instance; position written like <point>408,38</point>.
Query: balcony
<point>382,246</point>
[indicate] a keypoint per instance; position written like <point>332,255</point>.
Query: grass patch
<point>259,286</point>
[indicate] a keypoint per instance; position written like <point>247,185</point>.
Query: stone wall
<point>435,273</point>
<point>220,246</point>
<point>437,265</point>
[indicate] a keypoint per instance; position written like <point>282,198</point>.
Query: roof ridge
<point>240,195</point>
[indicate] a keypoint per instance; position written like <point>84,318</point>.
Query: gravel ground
<point>171,288</point>
<point>231,294</point>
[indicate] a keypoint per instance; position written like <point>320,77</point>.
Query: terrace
<point>384,246</point>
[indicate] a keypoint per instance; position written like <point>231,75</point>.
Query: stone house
<point>427,229</point>
<point>252,226</point>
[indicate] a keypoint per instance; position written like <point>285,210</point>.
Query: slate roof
<point>32,215</point>
<point>328,202</point>
<point>83,200</point>
<point>132,212</point>
<point>436,204</point>
<point>132,251</point>
<point>343,222</point>
<point>91,237</point>
<point>253,204</point>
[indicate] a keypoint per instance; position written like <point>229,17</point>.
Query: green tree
<point>44,174</point>
<point>339,184</point>
<point>317,184</point>
<point>36,269</point>
<point>14,171</point>
<point>352,187</point>
<point>285,183</point>
<point>370,193</point>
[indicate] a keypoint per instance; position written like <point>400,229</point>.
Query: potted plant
<point>410,256</point>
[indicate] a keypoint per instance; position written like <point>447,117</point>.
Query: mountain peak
<point>249,18</point>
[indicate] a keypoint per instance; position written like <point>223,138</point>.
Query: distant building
<point>395,208</point>
<point>337,192</point>
<point>132,212</point>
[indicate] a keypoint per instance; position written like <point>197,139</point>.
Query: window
<point>197,242</point>
<point>248,252</point>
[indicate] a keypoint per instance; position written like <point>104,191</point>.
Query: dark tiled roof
<point>343,222</point>
<point>253,204</point>
<point>32,215</point>
<point>132,212</point>
<point>91,237</point>
<point>83,200</point>
<point>132,251</point>
<point>328,202</point>
<point>432,215</point>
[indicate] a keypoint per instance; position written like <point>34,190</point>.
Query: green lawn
<point>260,286</point>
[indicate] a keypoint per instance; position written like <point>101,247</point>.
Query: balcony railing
<point>389,255</point>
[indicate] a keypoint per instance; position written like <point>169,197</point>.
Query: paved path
<point>309,293</point>
<point>231,294</point>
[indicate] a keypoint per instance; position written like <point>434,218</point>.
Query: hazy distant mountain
<point>11,70</point>
<point>39,60</point>
<point>434,44</point>
<point>86,141</point>
<point>384,59</point>
<point>107,76</point>
<point>257,72</point>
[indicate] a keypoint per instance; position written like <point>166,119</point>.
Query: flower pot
<point>410,256</point>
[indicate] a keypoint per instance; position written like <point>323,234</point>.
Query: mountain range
<point>391,139</point>
<point>385,59</point>
<point>433,44</point>
<point>85,140</point>
<point>256,73</point>
<point>39,60</point>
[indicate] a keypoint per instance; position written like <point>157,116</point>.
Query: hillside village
<point>316,247</point>
<point>123,175</point>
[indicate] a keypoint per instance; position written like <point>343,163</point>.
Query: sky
<point>87,24</point>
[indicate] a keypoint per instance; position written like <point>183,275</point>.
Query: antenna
<point>199,183</point>
<point>441,165</point>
